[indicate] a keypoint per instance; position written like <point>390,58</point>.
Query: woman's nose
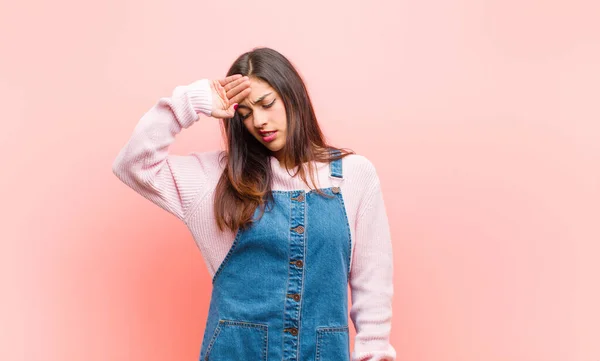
<point>260,120</point>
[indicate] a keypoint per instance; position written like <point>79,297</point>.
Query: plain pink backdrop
<point>482,118</point>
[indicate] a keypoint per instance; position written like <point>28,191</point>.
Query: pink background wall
<point>482,118</point>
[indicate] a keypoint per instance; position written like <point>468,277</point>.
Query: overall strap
<point>336,165</point>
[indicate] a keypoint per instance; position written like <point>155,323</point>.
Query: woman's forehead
<point>259,89</point>
<point>259,84</point>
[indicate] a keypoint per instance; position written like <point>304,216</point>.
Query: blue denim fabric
<point>281,291</point>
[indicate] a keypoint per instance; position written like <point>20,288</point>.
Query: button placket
<point>299,198</point>
<point>298,263</point>
<point>294,287</point>
<point>292,330</point>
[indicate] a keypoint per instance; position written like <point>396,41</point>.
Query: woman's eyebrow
<point>256,101</point>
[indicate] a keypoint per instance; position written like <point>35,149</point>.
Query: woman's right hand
<point>227,93</point>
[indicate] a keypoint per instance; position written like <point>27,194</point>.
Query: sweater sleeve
<point>144,164</point>
<point>371,278</point>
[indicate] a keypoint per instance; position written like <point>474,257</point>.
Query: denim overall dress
<point>281,293</point>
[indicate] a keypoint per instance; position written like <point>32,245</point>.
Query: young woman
<point>283,220</point>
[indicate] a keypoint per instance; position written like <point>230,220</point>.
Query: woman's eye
<point>242,117</point>
<point>269,105</point>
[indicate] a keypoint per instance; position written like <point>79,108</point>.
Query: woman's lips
<point>268,136</point>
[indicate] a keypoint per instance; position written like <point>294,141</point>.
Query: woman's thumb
<point>229,113</point>
<point>232,109</point>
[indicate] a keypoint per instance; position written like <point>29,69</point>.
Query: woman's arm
<point>144,163</point>
<point>371,278</point>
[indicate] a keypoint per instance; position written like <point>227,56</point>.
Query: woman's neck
<point>279,155</point>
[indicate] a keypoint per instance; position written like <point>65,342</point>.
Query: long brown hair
<point>245,183</point>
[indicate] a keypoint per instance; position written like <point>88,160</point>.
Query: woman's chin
<point>274,146</point>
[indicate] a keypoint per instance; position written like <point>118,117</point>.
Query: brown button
<point>300,198</point>
<point>293,330</point>
<point>299,229</point>
<point>298,263</point>
<point>335,190</point>
<point>295,296</point>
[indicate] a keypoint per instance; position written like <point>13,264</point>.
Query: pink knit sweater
<point>184,186</point>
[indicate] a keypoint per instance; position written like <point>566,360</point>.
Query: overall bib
<point>281,293</point>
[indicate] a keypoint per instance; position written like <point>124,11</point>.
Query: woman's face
<point>263,114</point>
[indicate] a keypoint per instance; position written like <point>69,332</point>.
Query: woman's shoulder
<point>358,165</point>
<point>360,175</point>
<point>361,182</point>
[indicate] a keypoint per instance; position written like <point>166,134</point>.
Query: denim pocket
<point>238,340</point>
<point>333,344</point>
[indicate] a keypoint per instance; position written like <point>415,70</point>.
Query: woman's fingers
<point>240,96</point>
<point>229,79</point>
<point>234,88</point>
<point>235,83</point>
<point>238,89</point>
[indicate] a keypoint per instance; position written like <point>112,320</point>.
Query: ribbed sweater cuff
<point>200,96</point>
